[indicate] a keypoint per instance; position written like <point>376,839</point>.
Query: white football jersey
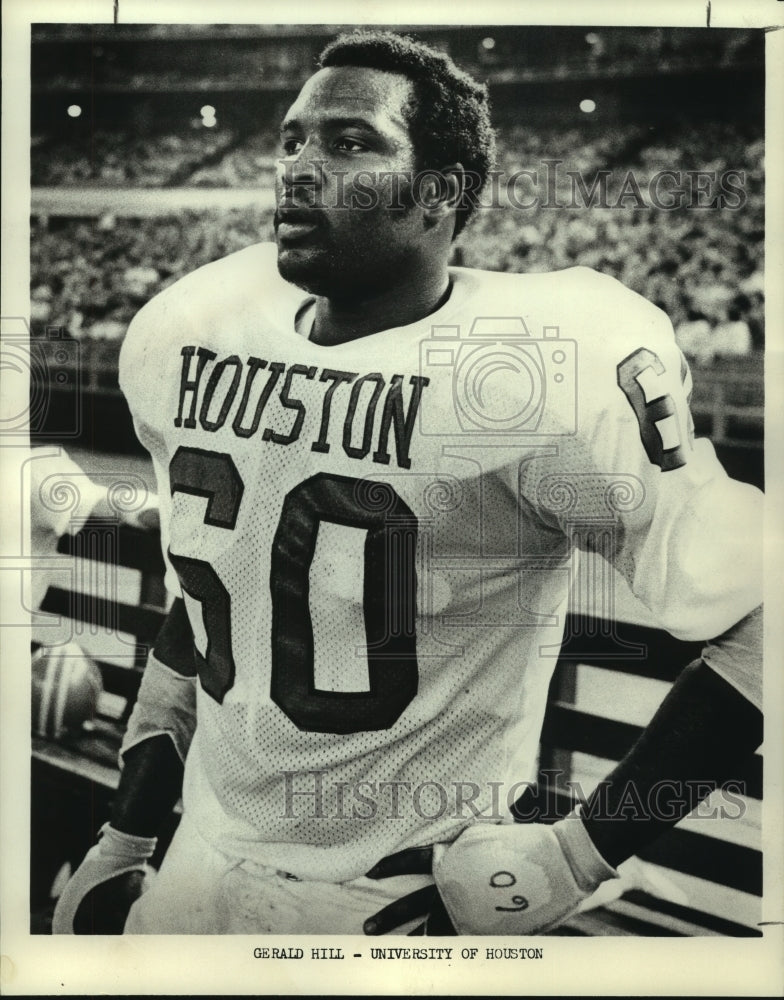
<point>375,541</point>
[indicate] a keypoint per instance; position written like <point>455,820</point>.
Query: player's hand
<point>112,876</point>
<point>517,878</point>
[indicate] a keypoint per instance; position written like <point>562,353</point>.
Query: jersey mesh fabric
<point>498,505</point>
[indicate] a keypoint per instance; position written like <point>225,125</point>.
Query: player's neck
<point>337,321</point>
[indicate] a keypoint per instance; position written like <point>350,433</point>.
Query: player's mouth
<point>294,225</point>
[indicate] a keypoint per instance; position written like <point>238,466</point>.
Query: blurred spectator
<point>694,337</point>
<point>139,280</point>
<point>732,337</point>
<point>108,329</point>
<point>40,304</point>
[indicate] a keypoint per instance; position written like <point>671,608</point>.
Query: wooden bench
<point>73,780</point>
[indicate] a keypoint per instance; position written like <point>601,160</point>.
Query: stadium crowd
<point>123,159</point>
<point>703,265</point>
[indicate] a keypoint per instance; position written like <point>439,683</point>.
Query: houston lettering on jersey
<point>212,390</point>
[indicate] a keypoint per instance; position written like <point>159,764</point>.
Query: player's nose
<point>300,173</point>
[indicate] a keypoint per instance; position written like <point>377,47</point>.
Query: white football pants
<point>200,890</point>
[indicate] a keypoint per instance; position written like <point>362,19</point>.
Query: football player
<point>376,473</point>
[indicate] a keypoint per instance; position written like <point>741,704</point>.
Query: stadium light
<point>208,119</point>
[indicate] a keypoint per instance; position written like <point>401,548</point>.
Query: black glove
<point>425,903</point>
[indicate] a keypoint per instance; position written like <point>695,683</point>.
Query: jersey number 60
<point>389,593</point>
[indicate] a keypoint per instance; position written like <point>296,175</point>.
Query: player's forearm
<point>159,731</point>
<point>150,785</point>
<point>702,733</point>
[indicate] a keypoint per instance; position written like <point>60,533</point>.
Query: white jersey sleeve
<point>166,702</point>
<point>139,383</point>
<point>634,484</point>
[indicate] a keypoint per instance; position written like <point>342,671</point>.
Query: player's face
<point>339,233</point>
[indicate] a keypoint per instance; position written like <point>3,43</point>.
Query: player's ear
<point>439,192</point>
